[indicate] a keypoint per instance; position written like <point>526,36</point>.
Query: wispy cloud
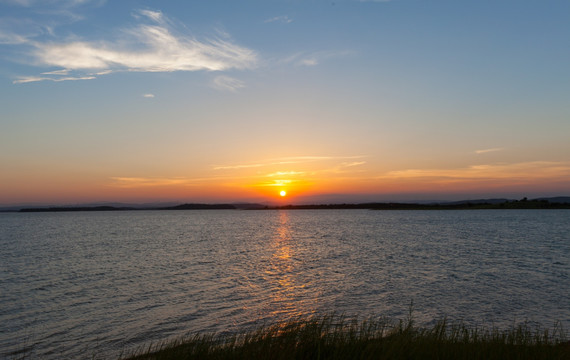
<point>137,182</point>
<point>515,172</point>
<point>285,173</point>
<point>150,96</point>
<point>311,167</point>
<point>284,161</point>
<point>284,19</point>
<point>147,47</point>
<point>20,31</point>
<point>226,83</point>
<point>63,72</point>
<point>53,12</point>
<point>155,16</point>
<point>29,79</point>
<point>280,183</point>
<point>56,76</point>
<point>355,163</point>
<point>131,182</point>
<point>314,58</point>
<point>53,3</point>
<point>488,150</point>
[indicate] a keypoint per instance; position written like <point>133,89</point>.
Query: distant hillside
<point>552,200</point>
<point>458,205</point>
<point>478,201</point>
<point>200,207</point>
<point>559,202</point>
<point>78,208</point>
<point>113,208</point>
<point>558,199</point>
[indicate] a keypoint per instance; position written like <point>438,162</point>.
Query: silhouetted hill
<point>248,206</point>
<point>78,208</point>
<point>478,201</point>
<point>459,205</point>
<point>200,207</point>
<point>558,199</point>
<point>559,202</point>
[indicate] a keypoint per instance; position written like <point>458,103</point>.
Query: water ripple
<point>99,283</point>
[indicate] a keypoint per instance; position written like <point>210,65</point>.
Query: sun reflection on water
<point>288,291</point>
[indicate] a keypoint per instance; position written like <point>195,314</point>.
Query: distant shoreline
<point>563,203</point>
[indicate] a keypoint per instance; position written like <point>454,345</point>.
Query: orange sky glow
<point>301,178</point>
<point>362,101</point>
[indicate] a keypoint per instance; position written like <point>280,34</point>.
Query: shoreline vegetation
<point>542,203</point>
<point>334,337</point>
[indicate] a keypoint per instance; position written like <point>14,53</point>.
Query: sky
<point>230,101</point>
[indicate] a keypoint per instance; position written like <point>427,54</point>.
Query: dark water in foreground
<point>77,284</point>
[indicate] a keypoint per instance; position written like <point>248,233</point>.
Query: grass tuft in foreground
<point>334,337</point>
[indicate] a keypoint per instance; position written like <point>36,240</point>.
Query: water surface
<point>101,282</point>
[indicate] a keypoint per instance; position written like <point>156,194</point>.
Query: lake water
<point>79,284</point>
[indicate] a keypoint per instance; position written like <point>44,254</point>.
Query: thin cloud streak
<point>526,172</point>
<point>29,79</point>
<point>282,19</point>
<point>226,83</point>
<point>53,3</point>
<point>356,163</point>
<point>314,58</point>
<point>488,150</point>
<point>136,182</point>
<point>57,72</point>
<point>279,183</point>
<point>155,16</point>
<point>286,173</point>
<point>284,161</point>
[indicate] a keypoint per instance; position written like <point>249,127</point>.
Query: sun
<point>283,193</point>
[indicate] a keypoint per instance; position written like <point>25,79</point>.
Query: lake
<point>79,284</point>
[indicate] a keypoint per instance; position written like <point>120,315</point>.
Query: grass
<point>335,337</point>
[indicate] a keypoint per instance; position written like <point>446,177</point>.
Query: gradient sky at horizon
<point>211,101</point>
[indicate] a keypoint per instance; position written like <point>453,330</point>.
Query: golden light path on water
<point>288,287</point>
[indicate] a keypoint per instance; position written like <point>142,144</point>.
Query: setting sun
<point>283,193</point>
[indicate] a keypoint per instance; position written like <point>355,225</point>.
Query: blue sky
<point>211,100</point>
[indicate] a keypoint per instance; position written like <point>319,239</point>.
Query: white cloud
<point>28,79</point>
<point>226,83</point>
<point>153,15</point>
<point>488,150</point>
<point>284,19</point>
<point>161,51</point>
<point>156,47</point>
<point>57,72</point>
<point>309,62</point>
<point>314,58</point>
<point>148,95</point>
<point>104,72</point>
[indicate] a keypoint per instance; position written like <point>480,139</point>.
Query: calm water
<point>77,284</point>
